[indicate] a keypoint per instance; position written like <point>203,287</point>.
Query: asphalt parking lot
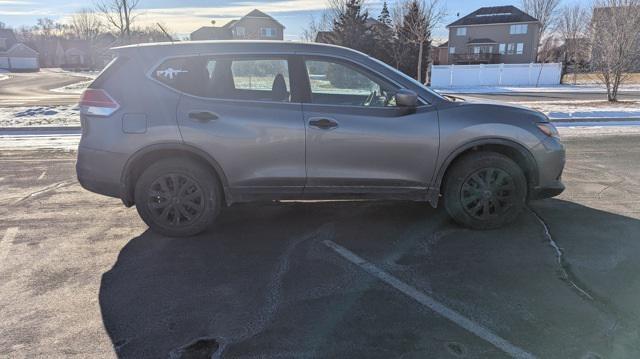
<point>81,276</point>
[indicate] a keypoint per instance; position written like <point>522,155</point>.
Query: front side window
<point>334,83</point>
<point>461,31</point>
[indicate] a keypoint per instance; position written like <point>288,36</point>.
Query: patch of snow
<point>75,88</point>
<point>31,142</point>
<point>543,89</point>
<point>558,110</point>
<point>580,130</point>
<point>39,116</point>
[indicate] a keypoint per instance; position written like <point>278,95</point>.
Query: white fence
<point>443,76</point>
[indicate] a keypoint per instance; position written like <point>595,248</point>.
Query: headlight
<point>548,129</point>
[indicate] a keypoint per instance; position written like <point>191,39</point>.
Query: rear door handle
<point>203,116</point>
<point>323,123</point>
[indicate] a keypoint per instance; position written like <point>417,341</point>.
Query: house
<point>491,35</point>
<point>67,53</point>
<point>441,54</point>
<point>256,25</point>
<point>15,55</point>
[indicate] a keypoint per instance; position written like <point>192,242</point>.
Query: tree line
<point>401,36</point>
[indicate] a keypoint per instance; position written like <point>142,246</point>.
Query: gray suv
<point>182,130</point>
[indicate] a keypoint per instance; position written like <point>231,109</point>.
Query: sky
<point>184,16</point>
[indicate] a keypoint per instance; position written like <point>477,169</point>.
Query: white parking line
<point>5,243</point>
<point>431,303</point>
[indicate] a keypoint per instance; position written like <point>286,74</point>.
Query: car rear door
<point>240,110</point>
<point>358,141</point>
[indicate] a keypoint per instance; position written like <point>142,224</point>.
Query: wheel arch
<point>515,151</point>
<point>140,160</point>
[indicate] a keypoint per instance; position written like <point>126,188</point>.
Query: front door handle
<point>203,116</point>
<point>323,123</point>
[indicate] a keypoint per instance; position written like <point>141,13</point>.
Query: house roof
<point>210,32</point>
<point>481,41</point>
<point>494,15</point>
<point>253,13</point>
<point>9,35</point>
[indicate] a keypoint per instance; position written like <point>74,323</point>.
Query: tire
<point>485,190</point>
<point>181,210</point>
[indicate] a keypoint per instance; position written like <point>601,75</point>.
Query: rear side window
<point>257,79</point>
<point>108,71</point>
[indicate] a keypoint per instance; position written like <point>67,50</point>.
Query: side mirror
<point>406,98</point>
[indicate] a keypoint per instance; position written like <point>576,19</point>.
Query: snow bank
<point>76,88</point>
<point>39,116</point>
<point>543,89</point>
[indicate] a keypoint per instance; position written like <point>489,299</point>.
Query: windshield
<point>409,78</point>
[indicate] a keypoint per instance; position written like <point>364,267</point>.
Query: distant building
<point>256,25</point>
<point>15,55</point>
<point>491,35</point>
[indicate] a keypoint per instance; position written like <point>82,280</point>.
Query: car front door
<point>358,140</point>
<point>241,111</point>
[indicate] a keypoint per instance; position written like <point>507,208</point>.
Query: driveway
<point>33,88</point>
<point>80,275</point>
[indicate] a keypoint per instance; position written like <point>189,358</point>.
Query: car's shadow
<point>227,284</point>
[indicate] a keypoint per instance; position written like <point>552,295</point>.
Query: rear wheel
<point>177,197</point>
<point>485,190</point>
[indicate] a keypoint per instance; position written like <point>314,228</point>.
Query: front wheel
<point>177,197</point>
<point>485,190</point>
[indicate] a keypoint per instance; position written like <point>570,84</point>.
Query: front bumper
<point>551,158</point>
<point>548,191</point>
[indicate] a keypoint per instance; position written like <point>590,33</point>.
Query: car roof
<point>260,46</point>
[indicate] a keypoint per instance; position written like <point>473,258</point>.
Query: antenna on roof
<point>213,22</point>
<point>165,32</point>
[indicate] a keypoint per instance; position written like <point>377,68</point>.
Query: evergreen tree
<point>385,16</point>
<point>383,37</point>
<point>350,27</point>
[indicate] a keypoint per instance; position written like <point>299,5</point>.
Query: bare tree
<point>323,23</point>
<point>119,14</point>
<point>398,50</point>
<point>572,28</point>
<point>86,24</point>
<point>419,18</point>
<point>545,12</point>
<point>615,37</point>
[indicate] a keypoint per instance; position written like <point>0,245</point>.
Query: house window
<point>476,49</point>
<point>452,50</point>
<point>511,49</point>
<point>502,49</point>
<point>240,31</point>
<point>518,29</point>
<point>268,32</point>
<point>520,48</point>
<point>461,31</point>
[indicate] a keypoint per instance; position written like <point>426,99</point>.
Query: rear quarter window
<point>111,68</point>
<point>186,74</point>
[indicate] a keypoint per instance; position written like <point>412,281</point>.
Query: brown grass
<point>591,78</point>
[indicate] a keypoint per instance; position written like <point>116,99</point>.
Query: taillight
<point>96,102</point>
